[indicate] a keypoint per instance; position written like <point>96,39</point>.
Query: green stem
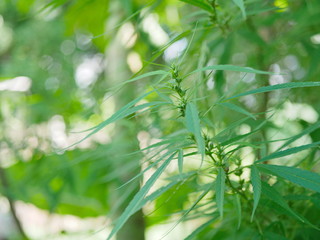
<point>235,189</point>
<point>6,187</point>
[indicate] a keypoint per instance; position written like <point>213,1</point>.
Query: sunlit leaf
<point>240,4</point>
<point>199,3</point>
<point>180,160</point>
<point>308,130</point>
<point>194,204</point>
<point>230,68</point>
<point>138,198</point>
<point>277,87</point>
<point>288,152</point>
<point>201,228</point>
<point>301,177</point>
<point>148,74</point>
<point>193,125</point>
<point>237,109</point>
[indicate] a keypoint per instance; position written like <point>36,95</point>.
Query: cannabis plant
<point>216,132</point>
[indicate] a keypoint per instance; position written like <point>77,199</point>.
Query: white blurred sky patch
<point>17,84</point>
<point>88,71</point>
<point>315,39</point>
<point>57,129</point>
<point>127,35</point>
<point>151,26</point>
<point>67,47</point>
<point>134,62</point>
<point>276,78</point>
<point>175,50</point>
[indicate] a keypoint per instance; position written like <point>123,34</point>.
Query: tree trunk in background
<point>116,72</point>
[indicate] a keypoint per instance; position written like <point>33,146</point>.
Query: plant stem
<point>235,189</point>
<point>6,187</point>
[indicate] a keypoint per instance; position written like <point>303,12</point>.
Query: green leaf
<point>200,4</point>
<point>308,130</point>
<point>135,203</point>
<point>231,126</point>
<point>277,87</point>
<point>230,68</point>
<point>206,189</point>
<point>120,114</point>
<point>157,193</point>
<point>237,109</point>
<point>193,126</point>
<point>180,160</point>
<point>148,74</point>
<point>240,4</point>
<point>298,176</point>
<point>238,209</point>
<point>256,185</point>
<point>274,196</point>
<point>288,152</point>
<point>177,38</point>
<point>144,170</point>
<point>194,234</point>
<point>220,187</point>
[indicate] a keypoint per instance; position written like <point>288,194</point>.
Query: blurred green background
<point>60,64</point>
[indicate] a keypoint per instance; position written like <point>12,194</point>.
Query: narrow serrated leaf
<point>157,193</point>
<point>194,234</point>
<point>298,176</point>
<point>275,196</point>
<point>148,74</point>
<point>240,4</point>
<point>238,209</point>
<point>288,152</point>
<point>256,185</point>
<point>237,109</point>
<point>200,4</point>
<point>230,68</point>
<point>308,130</point>
<point>139,197</point>
<point>193,126</point>
<point>277,87</point>
<point>220,188</point>
<point>195,203</point>
<point>163,96</point>
<point>122,113</point>
<point>180,161</point>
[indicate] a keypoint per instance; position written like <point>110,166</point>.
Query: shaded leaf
<point>238,209</point>
<point>275,196</point>
<point>220,187</point>
<point>256,185</point>
<point>240,4</point>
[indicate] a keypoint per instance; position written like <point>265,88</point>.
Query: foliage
<point>217,126</point>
